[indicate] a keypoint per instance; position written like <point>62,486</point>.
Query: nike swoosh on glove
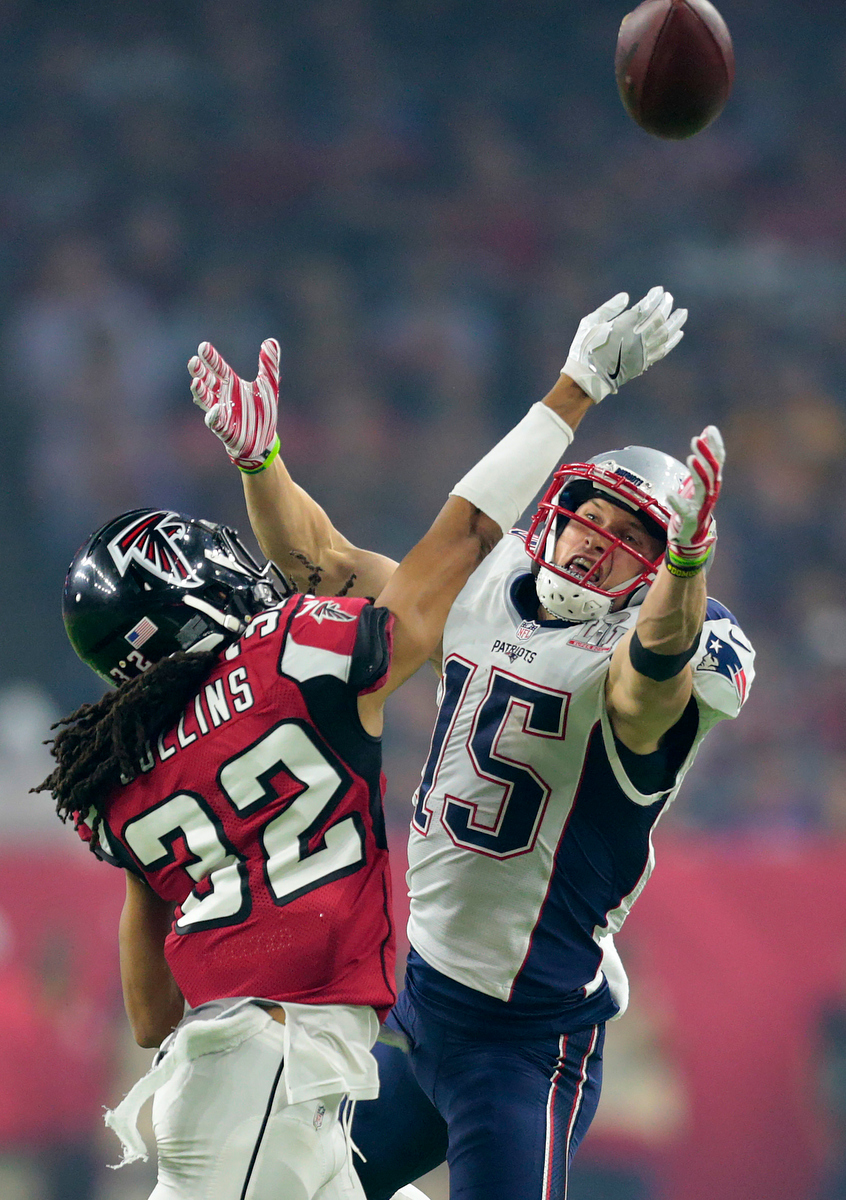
<point>615,344</point>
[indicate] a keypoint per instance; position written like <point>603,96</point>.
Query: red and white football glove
<point>615,344</point>
<point>243,415</point>
<point>692,532</point>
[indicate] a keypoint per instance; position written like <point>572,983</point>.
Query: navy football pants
<point>507,1116</point>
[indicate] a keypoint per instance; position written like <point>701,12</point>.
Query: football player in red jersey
<point>235,775</point>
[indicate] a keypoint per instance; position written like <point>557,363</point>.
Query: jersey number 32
<point>292,866</point>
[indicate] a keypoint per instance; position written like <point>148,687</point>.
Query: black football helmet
<point>151,583</point>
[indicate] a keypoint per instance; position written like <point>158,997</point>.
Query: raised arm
<point>291,527</point>
<point>650,680</point>
<point>612,344</point>
<point>482,506</point>
<point>491,496</point>
<point>294,531</point>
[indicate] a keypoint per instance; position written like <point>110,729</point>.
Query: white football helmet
<point>637,479</point>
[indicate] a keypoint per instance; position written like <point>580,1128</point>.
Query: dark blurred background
<point>420,199</point>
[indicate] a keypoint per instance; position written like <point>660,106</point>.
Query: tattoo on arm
<point>316,574</point>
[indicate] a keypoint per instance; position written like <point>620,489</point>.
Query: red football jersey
<point>260,816</point>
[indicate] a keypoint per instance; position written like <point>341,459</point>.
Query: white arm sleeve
<point>510,476</point>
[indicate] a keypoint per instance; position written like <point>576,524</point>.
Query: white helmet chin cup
<point>569,601</point>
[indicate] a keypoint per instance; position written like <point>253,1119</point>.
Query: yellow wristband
<point>681,568</point>
<point>274,450</point>
<point>685,573</point>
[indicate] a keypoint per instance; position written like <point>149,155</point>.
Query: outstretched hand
<point>243,415</point>
<point>692,532</point>
<point>615,344</point>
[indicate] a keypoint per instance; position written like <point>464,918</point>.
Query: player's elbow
<point>149,1034</point>
<point>486,533</point>
<point>148,1040</point>
<point>151,1023</point>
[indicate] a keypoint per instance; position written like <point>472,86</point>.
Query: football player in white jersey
<point>582,665</point>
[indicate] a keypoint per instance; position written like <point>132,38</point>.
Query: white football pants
<point>225,1131</point>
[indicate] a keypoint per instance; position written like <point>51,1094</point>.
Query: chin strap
<point>210,642</point>
<point>230,623</point>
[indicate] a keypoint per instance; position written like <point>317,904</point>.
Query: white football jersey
<point>529,843</point>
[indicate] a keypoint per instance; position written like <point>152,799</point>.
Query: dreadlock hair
<point>101,744</point>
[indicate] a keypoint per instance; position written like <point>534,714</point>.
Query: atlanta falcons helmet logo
<point>151,540</point>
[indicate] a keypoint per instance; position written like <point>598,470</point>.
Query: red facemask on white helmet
<point>635,478</point>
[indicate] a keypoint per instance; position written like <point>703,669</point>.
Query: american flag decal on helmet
<point>151,541</point>
<point>141,633</point>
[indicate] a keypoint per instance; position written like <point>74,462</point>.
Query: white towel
<point>190,1040</point>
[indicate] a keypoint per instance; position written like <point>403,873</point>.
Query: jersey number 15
<point>520,791</point>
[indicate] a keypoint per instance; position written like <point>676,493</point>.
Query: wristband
<point>509,477</point>
<point>274,450</point>
<point>690,556</point>
<point>653,665</point>
<point>681,572</point>
<point>681,566</point>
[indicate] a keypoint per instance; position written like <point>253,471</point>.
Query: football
<point>674,65</point>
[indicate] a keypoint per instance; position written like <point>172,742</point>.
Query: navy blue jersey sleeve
<point>723,665</point>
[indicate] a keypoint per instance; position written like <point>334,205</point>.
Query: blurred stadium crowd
<point>421,198</point>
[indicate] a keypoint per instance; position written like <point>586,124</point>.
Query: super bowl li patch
<point>599,635</point>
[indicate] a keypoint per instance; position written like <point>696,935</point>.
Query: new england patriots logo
<point>723,659</point>
<point>630,476</point>
<point>326,610</point>
<point>152,542</point>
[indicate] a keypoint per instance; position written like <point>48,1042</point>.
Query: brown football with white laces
<point>674,65</point>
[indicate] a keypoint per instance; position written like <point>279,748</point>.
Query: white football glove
<point>616,344</point>
<point>243,415</point>
<point>692,532</point>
